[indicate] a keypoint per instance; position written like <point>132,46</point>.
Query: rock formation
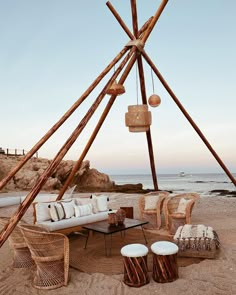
<point>86,178</point>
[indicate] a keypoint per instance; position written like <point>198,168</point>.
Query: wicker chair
<point>152,213</point>
<point>50,252</point>
<point>22,256</point>
<point>171,204</point>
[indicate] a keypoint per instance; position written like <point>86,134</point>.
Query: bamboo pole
<point>143,93</point>
<point>56,161</point>
<point>62,120</point>
<point>154,20</point>
<point>187,116</point>
<point>120,21</point>
<point>97,128</point>
<point>134,17</point>
<point>148,133</point>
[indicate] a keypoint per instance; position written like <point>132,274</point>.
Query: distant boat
<point>182,174</point>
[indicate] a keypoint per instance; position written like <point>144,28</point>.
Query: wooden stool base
<point>165,268</point>
<point>135,271</point>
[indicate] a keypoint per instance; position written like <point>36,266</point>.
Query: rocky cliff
<point>86,178</point>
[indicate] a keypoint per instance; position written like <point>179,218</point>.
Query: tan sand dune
<point>209,277</point>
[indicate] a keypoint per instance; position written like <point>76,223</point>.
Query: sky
<point>52,51</point>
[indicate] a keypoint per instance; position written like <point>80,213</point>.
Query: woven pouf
<point>135,265</point>
<point>165,268</point>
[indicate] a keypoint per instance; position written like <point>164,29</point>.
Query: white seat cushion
<point>164,248</point>
<point>134,250</point>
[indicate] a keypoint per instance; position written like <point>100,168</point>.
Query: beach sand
<point>210,276</point>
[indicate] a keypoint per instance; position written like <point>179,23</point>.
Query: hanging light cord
<point>152,81</point>
<point>137,81</point>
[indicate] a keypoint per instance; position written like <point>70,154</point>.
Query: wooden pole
<point>148,133</point>
<point>119,19</point>
<point>4,181</point>
<point>187,116</point>
<point>154,20</point>
<point>56,161</point>
<point>143,93</point>
<point>97,128</point>
<point>134,17</point>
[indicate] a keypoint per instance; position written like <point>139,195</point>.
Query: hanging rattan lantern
<point>138,118</point>
<point>154,100</point>
<point>116,89</point>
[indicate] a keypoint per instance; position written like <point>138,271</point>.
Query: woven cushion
<point>182,205</point>
<point>83,210</point>
<point>150,202</point>
<point>197,241</point>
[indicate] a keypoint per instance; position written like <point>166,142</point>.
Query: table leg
<point>144,235</point>
<point>86,241</point>
<point>106,250</point>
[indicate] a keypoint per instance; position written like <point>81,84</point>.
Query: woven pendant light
<point>154,100</point>
<point>116,89</point>
<point>138,118</point>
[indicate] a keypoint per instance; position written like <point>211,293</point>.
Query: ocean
<point>201,183</point>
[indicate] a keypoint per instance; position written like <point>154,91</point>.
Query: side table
<point>129,211</point>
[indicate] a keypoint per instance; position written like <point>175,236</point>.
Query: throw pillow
<point>83,210</point>
<point>102,203</point>
<point>85,201</point>
<point>68,208</point>
<point>151,202</point>
<point>182,205</point>
<point>42,212</point>
<point>56,211</point>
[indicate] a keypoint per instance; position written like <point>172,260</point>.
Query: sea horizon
<point>198,182</point>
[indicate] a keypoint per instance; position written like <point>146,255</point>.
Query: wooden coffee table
<point>104,228</point>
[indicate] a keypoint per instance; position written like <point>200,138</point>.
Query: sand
<point>210,276</point>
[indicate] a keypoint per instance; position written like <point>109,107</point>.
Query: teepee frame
<point>134,51</point>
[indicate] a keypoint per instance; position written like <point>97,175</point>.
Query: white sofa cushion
<point>102,202</point>
<point>88,200</point>
<point>83,210</point>
<point>42,212</point>
<point>9,201</point>
<point>76,221</point>
<point>57,211</point>
<point>68,207</point>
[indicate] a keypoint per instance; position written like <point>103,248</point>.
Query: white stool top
<point>134,250</point>
<point>164,248</point>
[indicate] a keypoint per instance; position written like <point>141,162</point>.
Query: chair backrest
<point>16,238</point>
<point>44,244</point>
<point>172,203</point>
<point>162,195</point>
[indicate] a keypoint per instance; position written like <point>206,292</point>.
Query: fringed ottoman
<point>165,267</point>
<point>135,265</point>
<point>197,241</point>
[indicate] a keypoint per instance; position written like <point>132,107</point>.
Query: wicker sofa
<point>77,212</point>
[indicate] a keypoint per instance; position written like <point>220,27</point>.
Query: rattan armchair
<point>22,256</point>
<point>50,252</point>
<point>171,205</point>
<point>152,213</point>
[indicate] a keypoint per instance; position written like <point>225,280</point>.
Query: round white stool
<point>165,268</point>
<point>135,265</point>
